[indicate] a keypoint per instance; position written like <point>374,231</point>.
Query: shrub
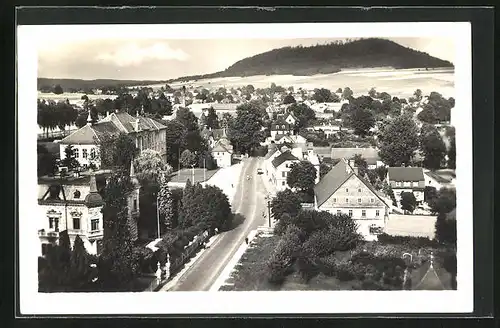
<point>283,256</point>
<point>327,265</point>
<point>408,241</point>
<point>446,230</point>
<point>344,273</point>
<point>344,231</point>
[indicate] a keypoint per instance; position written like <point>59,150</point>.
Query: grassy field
<point>184,174</point>
<point>251,272</point>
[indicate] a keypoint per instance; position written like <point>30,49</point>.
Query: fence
<point>176,265</point>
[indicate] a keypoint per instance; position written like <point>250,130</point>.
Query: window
<point>283,174</point>
<point>54,224</point>
<point>283,126</point>
<point>350,212</point>
<point>377,213</point>
<point>359,190</point>
<point>339,212</point>
<point>398,184</point>
<point>363,213</point>
<point>135,204</point>
<point>347,200</point>
<point>76,194</point>
<point>76,151</point>
<point>372,200</point>
<point>282,183</point>
<point>346,189</point>
<point>76,223</point>
<point>92,153</point>
<point>359,200</point>
<point>335,200</point>
<point>84,153</point>
<point>94,224</point>
<point>46,248</point>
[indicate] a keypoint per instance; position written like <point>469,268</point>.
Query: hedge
<point>412,242</point>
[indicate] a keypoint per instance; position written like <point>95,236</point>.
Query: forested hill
<point>328,58</point>
<point>75,85</point>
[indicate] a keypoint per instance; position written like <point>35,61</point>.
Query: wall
<point>80,158</point>
<point>223,159</point>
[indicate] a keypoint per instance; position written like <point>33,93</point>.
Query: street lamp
<point>268,199</point>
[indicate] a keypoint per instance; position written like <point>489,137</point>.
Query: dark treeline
<point>328,58</point>
<point>108,86</point>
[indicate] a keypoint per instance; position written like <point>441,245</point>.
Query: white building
<point>440,178</point>
<point>147,133</point>
<point>406,179</point>
<point>280,166</point>
<point>74,204</point>
<point>222,152</point>
<point>343,191</point>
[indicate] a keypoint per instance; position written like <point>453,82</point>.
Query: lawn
<point>183,175</point>
<point>251,272</point>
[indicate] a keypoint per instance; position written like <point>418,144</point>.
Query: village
<point>243,188</point>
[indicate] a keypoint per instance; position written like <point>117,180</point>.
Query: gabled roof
<point>439,178</point>
<point>222,146</point>
<point>405,174</point>
<point>271,152</point>
<point>286,156</point>
<point>335,178</point>
<point>112,125</point>
<point>348,153</point>
<point>290,114</point>
<point>277,125</point>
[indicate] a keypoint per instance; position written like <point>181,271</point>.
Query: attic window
<point>76,194</point>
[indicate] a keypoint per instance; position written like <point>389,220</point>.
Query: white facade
<point>280,173</point>
<point>84,154</point>
<point>222,158</point>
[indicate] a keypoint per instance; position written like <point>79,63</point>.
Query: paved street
<point>248,205</point>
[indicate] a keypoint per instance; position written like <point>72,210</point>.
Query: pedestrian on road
<point>246,240</point>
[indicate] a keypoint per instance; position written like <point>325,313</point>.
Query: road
<point>248,202</point>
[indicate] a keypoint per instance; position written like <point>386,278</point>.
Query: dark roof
<point>439,178</point>
<point>271,151</point>
<point>335,178</point>
<point>93,199</point>
<point>405,174</point>
<point>286,156</point>
<point>332,181</point>
<point>110,125</point>
<point>277,125</point>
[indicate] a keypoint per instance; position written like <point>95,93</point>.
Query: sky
<point>165,58</point>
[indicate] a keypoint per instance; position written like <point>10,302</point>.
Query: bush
<point>446,230</point>
<point>284,255</point>
<point>327,265</point>
<point>410,242</point>
<point>344,272</point>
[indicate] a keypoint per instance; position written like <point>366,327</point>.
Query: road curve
<point>248,202</point>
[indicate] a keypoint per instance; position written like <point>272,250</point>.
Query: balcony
<point>48,234</point>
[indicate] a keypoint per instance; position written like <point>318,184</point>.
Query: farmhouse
<point>406,179</point>
<point>342,190</point>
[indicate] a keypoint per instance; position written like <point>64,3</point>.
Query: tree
<point>117,264</point>
<point>418,95</point>
<point>339,90</point>
<point>381,172</point>
<point>347,93</point>
<point>58,90</point>
<point>245,131</point>
<point>116,151</point>
<point>324,95</point>
<point>175,132</point>
<point>289,99</point>
<point>149,166</point>
<point>324,169</point>
<point>69,159</point>
<point>187,119</point>
<point>79,270</point>
<point>437,109</point>
<point>361,120</point>
<point>372,93</point>
<point>302,176</point>
<point>46,161</point>
<point>398,141</point>
<point>429,193</point>
<point>446,228</point>
<point>286,201</point>
<point>166,205</point>
<point>303,113</point>
<point>372,176</point>
<point>408,201</point>
<point>432,146</point>
<point>361,164</point>
<point>452,153</point>
<point>444,202</point>
<point>187,159</point>
<point>212,121</point>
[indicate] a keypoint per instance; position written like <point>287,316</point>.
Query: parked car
<point>260,171</point>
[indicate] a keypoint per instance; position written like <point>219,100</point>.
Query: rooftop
<point>286,156</point>
<point>401,174</point>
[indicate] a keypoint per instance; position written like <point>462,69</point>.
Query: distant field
<point>400,83</point>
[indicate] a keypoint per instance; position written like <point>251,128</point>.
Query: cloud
<point>134,54</point>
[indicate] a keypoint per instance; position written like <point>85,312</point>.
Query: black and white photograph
<point>165,167</point>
